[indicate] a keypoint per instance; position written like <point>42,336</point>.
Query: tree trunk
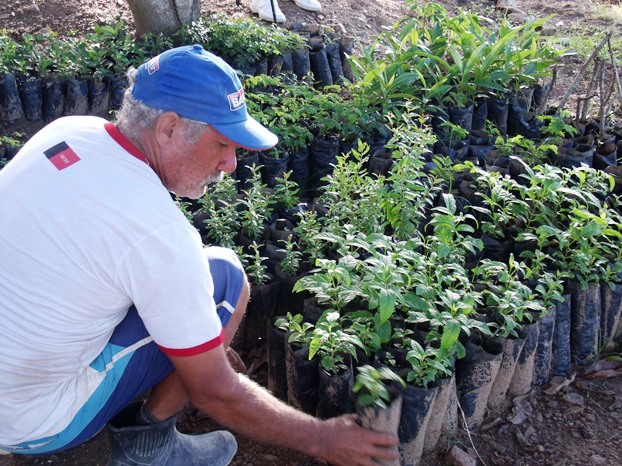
<point>163,16</point>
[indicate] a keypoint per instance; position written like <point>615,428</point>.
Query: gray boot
<point>160,444</point>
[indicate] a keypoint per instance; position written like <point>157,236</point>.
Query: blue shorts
<point>141,365</point>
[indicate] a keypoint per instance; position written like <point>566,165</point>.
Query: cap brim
<point>249,134</point>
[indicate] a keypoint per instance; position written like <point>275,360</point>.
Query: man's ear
<point>168,128</point>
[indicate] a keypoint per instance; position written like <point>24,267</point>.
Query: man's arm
<point>238,403</point>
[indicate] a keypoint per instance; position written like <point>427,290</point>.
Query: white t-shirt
<point>86,230</point>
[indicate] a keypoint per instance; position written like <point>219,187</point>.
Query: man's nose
<point>228,163</point>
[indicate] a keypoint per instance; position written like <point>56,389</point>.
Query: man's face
<point>201,163</point>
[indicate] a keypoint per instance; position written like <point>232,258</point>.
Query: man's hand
<point>347,443</point>
<point>237,402</point>
<point>236,361</point>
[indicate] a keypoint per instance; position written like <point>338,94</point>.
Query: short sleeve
<point>167,276</point>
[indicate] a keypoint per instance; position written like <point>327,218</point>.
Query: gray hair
<point>134,117</point>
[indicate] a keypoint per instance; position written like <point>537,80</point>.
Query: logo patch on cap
<point>153,65</point>
<point>236,100</point>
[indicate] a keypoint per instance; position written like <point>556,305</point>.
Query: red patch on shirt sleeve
<point>61,156</point>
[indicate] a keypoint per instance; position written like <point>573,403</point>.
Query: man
<point>89,230</point>
<point>269,10</point>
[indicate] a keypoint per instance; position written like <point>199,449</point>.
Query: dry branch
<point>583,69</point>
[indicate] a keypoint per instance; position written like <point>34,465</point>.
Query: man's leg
<point>132,364</point>
<point>128,366</point>
<point>231,289</point>
<point>238,314</point>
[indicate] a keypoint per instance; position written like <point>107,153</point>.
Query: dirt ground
<point>580,424</point>
<point>356,18</point>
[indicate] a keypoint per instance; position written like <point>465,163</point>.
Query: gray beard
<point>214,178</point>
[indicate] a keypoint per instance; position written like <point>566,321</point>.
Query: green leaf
<point>451,332</point>
<point>386,305</point>
<point>314,347</point>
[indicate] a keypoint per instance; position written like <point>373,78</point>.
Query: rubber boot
<point>160,444</point>
<point>268,10</point>
<point>309,5</point>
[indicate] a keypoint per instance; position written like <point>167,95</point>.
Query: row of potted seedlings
<point>433,272</point>
<point>464,70</point>
<point>433,248</point>
<point>462,260</point>
<point>43,78</point>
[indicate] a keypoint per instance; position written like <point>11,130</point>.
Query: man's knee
<point>245,296</point>
<point>231,289</point>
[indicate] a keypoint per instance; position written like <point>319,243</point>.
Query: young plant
<point>408,191</point>
<point>333,344</point>
<point>307,229</point>
<point>9,143</point>
<point>572,230</point>
<point>221,208</point>
<point>549,288</point>
<point>255,266</point>
<point>556,127</point>
<point>452,135</point>
<point>290,264</point>
<point>445,300</point>
<point>299,331</point>
<point>427,365</point>
<point>286,192</point>
<point>401,337</point>
<point>544,192</point>
<point>505,293</point>
<point>14,140</point>
<point>257,204</point>
<point>333,283</point>
<point>372,384</point>
<point>452,231</point>
<point>502,210</point>
<point>184,206</point>
<point>239,39</point>
<point>349,187</point>
<point>533,152</point>
<point>385,278</point>
<point>285,109</point>
<point>361,324</point>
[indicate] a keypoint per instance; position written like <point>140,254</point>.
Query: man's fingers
<point>385,453</point>
<point>365,446</point>
<point>236,361</point>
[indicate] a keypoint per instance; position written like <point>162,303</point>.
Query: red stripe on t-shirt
<point>124,142</point>
<point>202,348</point>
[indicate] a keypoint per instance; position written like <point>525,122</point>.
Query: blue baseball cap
<point>200,86</point>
